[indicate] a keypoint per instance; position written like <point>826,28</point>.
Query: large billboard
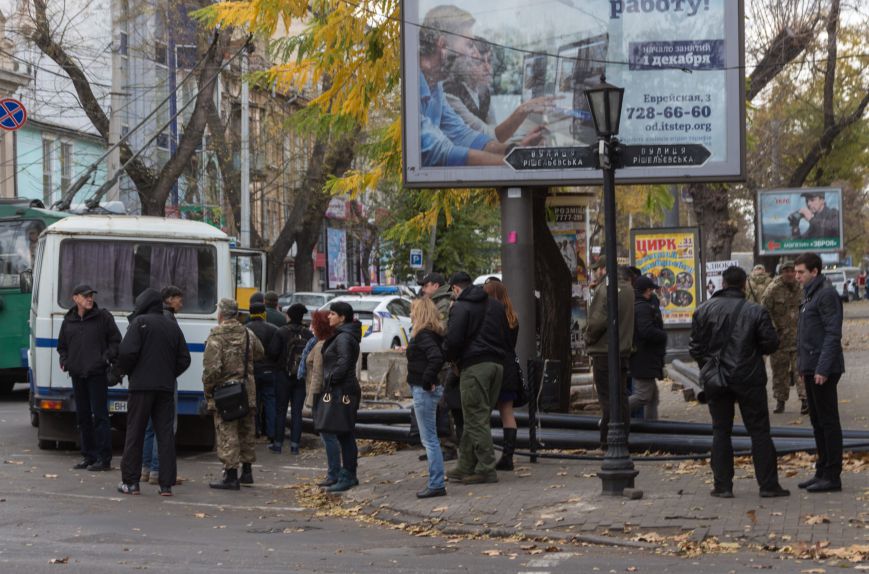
<point>671,257</point>
<point>792,221</point>
<point>481,77</point>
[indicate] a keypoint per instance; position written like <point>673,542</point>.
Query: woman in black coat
<point>512,379</point>
<point>340,353</point>
<point>425,360</point>
<point>650,346</point>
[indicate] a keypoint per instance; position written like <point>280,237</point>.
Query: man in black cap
<point>288,345</point>
<point>88,344</point>
<point>476,343</point>
<point>650,346</point>
<point>823,220</point>
<point>435,287</point>
<point>264,371</point>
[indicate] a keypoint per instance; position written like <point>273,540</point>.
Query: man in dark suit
<point>820,362</point>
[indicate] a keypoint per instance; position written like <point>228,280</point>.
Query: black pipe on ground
<point>585,439</point>
<point>585,422</point>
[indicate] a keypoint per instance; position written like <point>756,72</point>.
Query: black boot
<point>229,482</point>
<point>246,473</point>
<point>506,460</point>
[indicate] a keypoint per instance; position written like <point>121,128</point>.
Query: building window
<point>65,165</point>
<point>123,44</point>
<point>47,171</point>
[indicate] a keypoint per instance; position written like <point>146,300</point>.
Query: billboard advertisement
<point>568,221</point>
<point>671,257</point>
<point>714,272</point>
<point>336,257</point>
<point>481,77</point>
<point>793,221</point>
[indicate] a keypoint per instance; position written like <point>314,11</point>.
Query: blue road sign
<point>13,114</point>
<point>416,258</point>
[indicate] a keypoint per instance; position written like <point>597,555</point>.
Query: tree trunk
<point>305,240</point>
<point>552,279</point>
<point>717,229</point>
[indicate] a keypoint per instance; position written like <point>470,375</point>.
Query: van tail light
<point>50,405</point>
<point>376,324</point>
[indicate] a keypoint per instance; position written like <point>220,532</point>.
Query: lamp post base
<point>614,482</point>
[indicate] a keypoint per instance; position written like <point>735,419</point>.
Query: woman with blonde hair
<point>512,378</point>
<point>424,361</point>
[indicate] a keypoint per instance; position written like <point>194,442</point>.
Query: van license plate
<point>117,406</point>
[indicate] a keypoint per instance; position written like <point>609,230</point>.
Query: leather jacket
<point>340,353</point>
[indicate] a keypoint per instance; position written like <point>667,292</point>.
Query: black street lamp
<point>617,470</point>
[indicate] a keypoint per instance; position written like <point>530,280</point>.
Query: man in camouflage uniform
<point>782,299</point>
<point>757,283</point>
<point>224,362</point>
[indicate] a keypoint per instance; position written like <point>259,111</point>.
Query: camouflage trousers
<point>784,373</point>
<point>235,440</point>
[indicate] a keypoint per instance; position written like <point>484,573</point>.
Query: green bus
<point>21,222</point>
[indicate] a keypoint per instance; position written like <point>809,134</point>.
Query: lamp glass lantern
<point>605,103</point>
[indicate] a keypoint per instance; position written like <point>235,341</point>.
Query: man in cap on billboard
<point>823,220</point>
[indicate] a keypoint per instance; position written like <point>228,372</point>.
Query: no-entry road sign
<point>13,114</point>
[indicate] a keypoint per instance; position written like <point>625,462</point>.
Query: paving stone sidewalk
<point>563,498</point>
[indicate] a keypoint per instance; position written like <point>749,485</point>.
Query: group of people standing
<point>464,339</point>
<point>736,333</point>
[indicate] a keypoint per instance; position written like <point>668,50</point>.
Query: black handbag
<point>230,398</point>
<point>712,379</point>
<point>522,386</point>
<point>335,411</point>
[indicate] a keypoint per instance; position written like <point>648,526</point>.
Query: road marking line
<point>236,507</point>
<point>550,561</point>
<point>87,496</point>
<point>317,468</point>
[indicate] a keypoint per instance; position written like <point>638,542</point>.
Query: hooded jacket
<point>650,339</point>
<point>88,344</point>
<point>442,299</point>
<point>424,359</point>
<point>154,352</point>
<point>597,327</point>
<point>340,353</point>
<point>819,333</point>
<point>477,329</point>
<point>753,337</point>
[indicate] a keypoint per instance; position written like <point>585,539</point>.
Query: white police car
<point>385,317</point>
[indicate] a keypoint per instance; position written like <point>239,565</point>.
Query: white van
<point>120,256</point>
<point>838,275</point>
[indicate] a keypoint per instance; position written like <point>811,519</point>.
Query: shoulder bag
<point>230,398</point>
<point>711,378</point>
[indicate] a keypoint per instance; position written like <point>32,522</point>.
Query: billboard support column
<point>517,262</point>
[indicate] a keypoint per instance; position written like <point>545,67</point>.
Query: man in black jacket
<point>153,353</point>
<point>650,346</point>
<point>287,345</point>
<point>264,372</point>
<point>740,359</point>
<point>87,344</point>
<point>820,362</point>
<point>475,342</point>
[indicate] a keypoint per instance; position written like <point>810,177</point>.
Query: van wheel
<point>6,386</point>
<point>396,344</point>
<point>34,419</point>
<point>45,444</point>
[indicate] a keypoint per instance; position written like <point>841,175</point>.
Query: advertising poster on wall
<point>568,219</point>
<point>793,221</point>
<point>336,245</point>
<point>671,257</point>
<point>714,271</point>
<point>484,76</point>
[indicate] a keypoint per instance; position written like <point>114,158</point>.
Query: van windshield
<point>17,248</point>
<point>836,277</point>
<point>120,270</point>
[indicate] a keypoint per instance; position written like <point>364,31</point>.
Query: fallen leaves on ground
<point>823,551</point>
<point>64,560</point>
<point>13,462</point>
<point>813,519</point>
<point>752,515</point>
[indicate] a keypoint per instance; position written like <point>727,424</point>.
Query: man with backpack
<point>288,345</point>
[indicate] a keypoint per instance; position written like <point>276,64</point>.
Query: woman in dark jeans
<point>511,381</point>
<point>340,353</point>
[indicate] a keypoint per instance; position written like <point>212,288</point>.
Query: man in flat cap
<point>87,344</point>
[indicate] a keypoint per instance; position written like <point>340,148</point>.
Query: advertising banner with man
<point>714,272</point>
<point>793,221</point>
<point>482,77</point>
<point>671,258</point>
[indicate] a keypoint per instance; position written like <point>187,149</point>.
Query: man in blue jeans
<point>87,344</point>
<point>264,372</point>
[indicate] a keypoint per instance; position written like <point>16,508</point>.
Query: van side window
<point>120,270</point>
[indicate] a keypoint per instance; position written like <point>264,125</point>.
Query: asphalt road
<point>54,519</point>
